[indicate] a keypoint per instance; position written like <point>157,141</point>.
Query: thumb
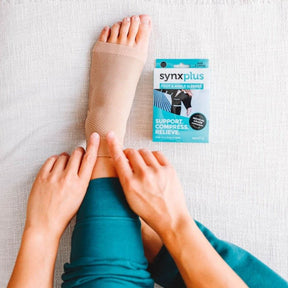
<point>90,156</point>
<point>118,157</point>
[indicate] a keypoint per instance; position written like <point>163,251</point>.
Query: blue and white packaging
<point>181,100</point>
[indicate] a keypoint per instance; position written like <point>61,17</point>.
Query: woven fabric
<point>236,185</point>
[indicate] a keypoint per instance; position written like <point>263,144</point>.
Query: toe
<point>144,29</point>
<point>114,33</point>
<point>124,30</point>
<point>104,34</point>
<point>134,26</point>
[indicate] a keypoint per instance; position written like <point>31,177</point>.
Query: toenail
<point>127,19</point>
<point>106,28</point>
<point>145,21</point>
<point>136,18</point>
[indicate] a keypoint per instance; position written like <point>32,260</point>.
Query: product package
<point>181,100</point>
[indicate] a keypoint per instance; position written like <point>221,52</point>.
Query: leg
<point>106,246</point>
<point>160,101</point>
<point>107,250</point>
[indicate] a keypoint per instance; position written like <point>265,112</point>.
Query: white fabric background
<point>236,185</point>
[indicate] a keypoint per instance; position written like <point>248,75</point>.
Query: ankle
<point>103,168</point>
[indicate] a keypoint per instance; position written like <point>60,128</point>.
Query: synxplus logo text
<point>181,76</point>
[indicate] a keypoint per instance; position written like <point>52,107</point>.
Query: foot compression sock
<point>114,74</point>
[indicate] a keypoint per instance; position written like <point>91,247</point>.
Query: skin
<point>151,187</point>
<point>58,190</point>
<point>56,196</point>
<point>154,192</point>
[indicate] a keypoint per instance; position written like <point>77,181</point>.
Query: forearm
<point>55,197</point>
<point>36,260</point>
<point>197,261</point>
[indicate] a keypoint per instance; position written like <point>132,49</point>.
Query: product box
<point>181,100</point>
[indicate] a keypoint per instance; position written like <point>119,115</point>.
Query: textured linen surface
<point>236,185</point>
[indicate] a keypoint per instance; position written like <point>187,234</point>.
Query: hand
<point>151,186</point>
<point>59,189</point>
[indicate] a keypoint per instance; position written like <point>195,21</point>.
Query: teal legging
<point>107,249</point>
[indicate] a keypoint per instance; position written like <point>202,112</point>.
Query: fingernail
<point>94,136</point>
<point>111,135</point>
<point>127,19</point>
<point>79,149</point>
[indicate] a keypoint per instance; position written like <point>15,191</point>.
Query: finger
<point>162,160</point>
<point>74,162</point>
<point>89,157</point>
<point>149,158</point>
<point>119,159</point>
<point>136,161</point>
<point>48,165</point>
<point>60,163</point>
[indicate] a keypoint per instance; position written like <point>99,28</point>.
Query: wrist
<point>179,227</point>
<point>41,235</point>
<point>36,256</point>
